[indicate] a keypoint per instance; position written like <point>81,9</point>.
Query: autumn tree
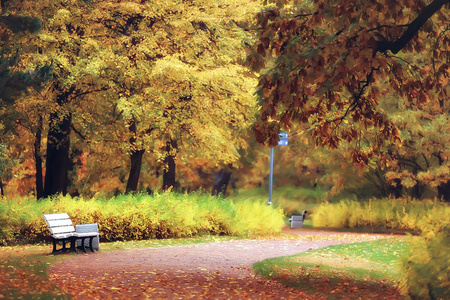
<point>66,43</point>
<point>421,161</point>
<point>327,63</point>
<point>15,27</point>
<point>16,30</point>
<point>164,78</point>
<point>183,92</point>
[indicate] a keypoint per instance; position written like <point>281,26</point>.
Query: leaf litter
<point>218,270</point>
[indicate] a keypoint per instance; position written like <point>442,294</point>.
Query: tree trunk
<point>38,161</point>
<point>397,189</point>
<point>136,160</point>
<point>169,166</point>
<point>221,182</point>
<point>444,191</point>
<point>57,164</point>
<point>58,146</point>
<point>135,170</point>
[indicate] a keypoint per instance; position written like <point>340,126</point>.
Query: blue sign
<point>283,139</point>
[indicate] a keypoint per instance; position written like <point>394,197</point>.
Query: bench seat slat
<point>62,235</point>
<point>86,234</point>
<point>64,229</point>
<point>58,223</point>
<point>297,218</point>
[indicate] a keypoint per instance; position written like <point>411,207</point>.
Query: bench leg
<point>83,247</point>
<point>63,245</point>
<point>91,239</point>
<point>73,244</point>
<point>54,246</point>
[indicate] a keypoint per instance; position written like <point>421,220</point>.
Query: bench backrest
<point>59,223</point>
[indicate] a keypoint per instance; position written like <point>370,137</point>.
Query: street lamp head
<point>283,139</point>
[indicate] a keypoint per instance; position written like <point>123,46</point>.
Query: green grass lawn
<point>331,269</point>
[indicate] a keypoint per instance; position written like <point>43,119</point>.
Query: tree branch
<point>413,28</point>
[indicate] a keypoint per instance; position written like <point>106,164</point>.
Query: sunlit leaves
<point>182,80</point>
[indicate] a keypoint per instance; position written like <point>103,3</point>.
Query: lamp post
<point>282,142</point>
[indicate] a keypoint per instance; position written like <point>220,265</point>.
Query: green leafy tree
<point>16,30</point>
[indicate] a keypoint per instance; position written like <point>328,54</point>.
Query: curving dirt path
<point>220,270</point>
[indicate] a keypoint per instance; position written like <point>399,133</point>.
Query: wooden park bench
<point>62,230</point>
<point>297,220</point>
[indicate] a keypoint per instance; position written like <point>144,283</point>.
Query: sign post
<point>282,142</point>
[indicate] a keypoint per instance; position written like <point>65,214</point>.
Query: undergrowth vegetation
<point>406,216</point>
<point>136,217</point>
<point>426,268</point>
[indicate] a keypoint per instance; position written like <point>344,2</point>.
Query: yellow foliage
<point>135,217</point>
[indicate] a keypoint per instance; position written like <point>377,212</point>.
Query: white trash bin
<point>297,220</point>
<point>83,228</point>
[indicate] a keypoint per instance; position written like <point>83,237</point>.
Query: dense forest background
<point>108,97</point>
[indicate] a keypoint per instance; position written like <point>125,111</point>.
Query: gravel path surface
<point>220,270</point>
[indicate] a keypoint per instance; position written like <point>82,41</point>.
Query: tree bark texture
<point>135,170</point>
<point>135,159</point>
<point>58,147</point>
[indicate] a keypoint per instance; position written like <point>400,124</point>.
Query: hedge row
<point>402,215</point>
<point>135,217</point>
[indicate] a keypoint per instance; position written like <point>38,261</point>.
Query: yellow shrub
<point>134,217</point>
<point>426,269</point>
<point>413,216</point>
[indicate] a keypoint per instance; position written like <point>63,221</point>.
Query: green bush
<point>135,217</point>
<point>426,269</point>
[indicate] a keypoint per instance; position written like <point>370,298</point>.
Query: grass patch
<point>360,267</point>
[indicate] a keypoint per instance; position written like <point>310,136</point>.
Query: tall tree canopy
<point>15,27</point>
<point>327,63</point>
<point>183,90</point>
<point>172,80</point>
